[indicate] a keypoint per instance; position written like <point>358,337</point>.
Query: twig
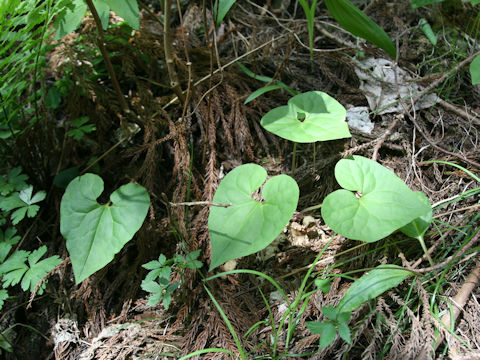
<point>459,301</point>
<point>101,46</point>
<point>195,203</point>
<point>411,106</point>
<point>384,137</point>
<point>223,67</point>
<point>168,50</point>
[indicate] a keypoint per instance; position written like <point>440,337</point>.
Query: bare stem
<point>169,53</point>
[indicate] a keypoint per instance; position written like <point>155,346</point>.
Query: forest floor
<point>181,152</point>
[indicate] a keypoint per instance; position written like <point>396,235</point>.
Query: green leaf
<point>191,262</point>
<point>16,181</point>
<point>326,330</point>
<point>381,204</point>
<point>475,70</point>
<point>53,98</point>
<point>330,312</point>
<point>7,240</point>
<point>128,10</point>
<point>14,267</point>
<point>223,6</point>
<point>263,90</point>
<point>420,3</point>
<point>249,225</point>
<point>63,178</point>
<point>418,226</point>
<point>344,317</point>
<point>25,202</point>
<point>359,24</point>
<point>323,285</point>
<point>344,332</point>
<point>6,339</point>
<point>308,117</point>
<point>153,288</point>
<point>38,270</point>
<point>70,18</point>
<point>371,285</point>
<point>94,232</point>
<point>427,30</point>
<point>3,297</point>
<point>103,10</point>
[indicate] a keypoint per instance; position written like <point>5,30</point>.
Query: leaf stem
<point>294,158</point>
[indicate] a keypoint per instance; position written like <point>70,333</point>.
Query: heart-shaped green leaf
<point>308,117</point>
<point>419,225</point>
<point>94,232</point>
<point>248,225</point>
<point>381,204</point>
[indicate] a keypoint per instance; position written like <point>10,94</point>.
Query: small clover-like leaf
<point>373,204</point>
<point>38,269</point>
<point>94,232</point>
<point>308,117</point>
<point>191,261</point>
<point>249,225</point>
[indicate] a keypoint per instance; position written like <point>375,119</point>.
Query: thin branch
<point>169,53</point>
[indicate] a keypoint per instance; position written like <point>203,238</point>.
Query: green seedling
<point>94,232</point>
<point>81,128</point>
<point>368,287</point>
<point>220,10</point>
<point>157,281</point>
<point>308,117</point>
<point>359,24</point>
<point>310,15</point>
<point>249,225</point>
<point>275,84</point>
<point>373,203</point>
<point>427,30</point>
<point>328,329</point>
